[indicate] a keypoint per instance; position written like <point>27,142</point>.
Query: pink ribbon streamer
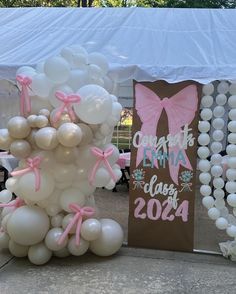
<point>14,203</point>
<point>25,103</point>
<point>102,158</point>
<point>180,110</point>
<point>33,165</point>
<point>66,100</point>
<point>78,217</point>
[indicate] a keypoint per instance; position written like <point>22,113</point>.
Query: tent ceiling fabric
<point>140,43</point>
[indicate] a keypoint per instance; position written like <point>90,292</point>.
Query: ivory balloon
<point>110,239</point>
<point>41,85</point>
<point>18,250</point>
<point>29,192</point>
<point>38,103</point>
<point>57,69</point>
<point>11,184</point>
<point>77,250</point>
<point>84,187</point>
<point>62,253</point>
<point>69,134</point>
<point>64,172</point>
<point>52,237</point>
<point>20,149</point>
<point>46,138</point>
<point>65,222</point>
<point>41,121</point>
<point>18,127</point>
<point>95,105</point>
<point>91,229</point>
<point>87,134</point>
<point>69,196</point>
<point>56,220</point>
<point>28,225</point>
<point>5,196</point>
<point>65,154</point>
<point>64,118</point>
<point>39,254</point>
<point>5,139</point>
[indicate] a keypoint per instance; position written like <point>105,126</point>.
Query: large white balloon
<point>77,250</point>
<point>57,69</point>
<point>110,240</point>
<point>52,238</point>
<point>28,225</point>
<point>39,254</point>
<point>95,105</point>
<point>41,85</point>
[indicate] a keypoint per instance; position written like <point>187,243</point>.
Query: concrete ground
<point>131,271</point>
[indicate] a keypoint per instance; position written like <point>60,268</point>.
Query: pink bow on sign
<point>67,101</point>
<point>18,202</point>
<point>102,158</point>
<point>180,110</point>
<point>32,165</point>
<point>25,104</point>
<point>78,217</point>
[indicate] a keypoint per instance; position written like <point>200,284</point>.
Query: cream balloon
<point>87,134</point>
<point>64,118</point>
<point>70,196</point>
<point>65,222</point>
<point>57,69</point>
<point>39,254</point>
<point>5,139</point>
<point>18,127</point>
<point>38,103</point>
<point>11,184</point>
<point>18,250</point>
<point>28,225</point>
<point>62,253</point>
<point>52,238</point>
<point>101,178</point>
<point>56,220</point>
<point>4,240</point>
<point>28,191</point>
<point>84,186</point>
<point>64,172</point>
<point>110,239</point>
<point>41,121</point>
<point>46,138</point>
<point>91,229</point>
<point>65,154</point>
<point>95,105</point>
<point>20,148</point>
<point>69,134</point>
<point>77,250</point>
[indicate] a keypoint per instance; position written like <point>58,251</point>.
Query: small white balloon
<point>52,238</point>
<point>5,196</point>
<point>18,250</point>
<point>232,101</point>
<point>77,250</point>
<point>232,126</point>
<point>65,222</point>
<point>221,223</point>
<point>231,174</point>
<point>69,134</point>
<point>218,111</point>
<point>216,147</point>
<point>232,138</point>
<point>57,69</point>
<point>216,171</point>
<point>208,89</point>
<point>205,190</point>
<point>231,199</point>
<point>203,152</point>
<point>39,254</point>
<point>203,139</point>
<point>41,85</point>
<point>218,135</point>
<point>230,187</point>
<point>11,184</point>
<point>218,123</point>
<point>219,193</point>
<point>208,202</point>
<point>232,162</point>
<point>216,159</point>
<point>46,138</point>
<point>231,150</point>
<point>204,165</point>
<point>218,183</point>
<point>223,87</point>
<point>207,101</point>
<point>221,99</point>
<point>232,114</point>
<point>213,213</point>
<point>70,196</point>
<point>56,220</point>
<point>204,126</point>
<point>205,178</point>
<point>231,231</point>
<point>91,229</point>
<point>206,114</point>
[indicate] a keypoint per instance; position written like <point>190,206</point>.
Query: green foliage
<point>37,3</point>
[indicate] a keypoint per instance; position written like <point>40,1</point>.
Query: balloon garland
<point>62,139</point>
<point>212,165</point>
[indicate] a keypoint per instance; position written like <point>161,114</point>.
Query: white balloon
<point>62,253</point>
<point>18,127</point>
<point>203,139</point>
<point>11,184</point>
<point>216,147</point>
<point>52,238</point>
<point>91,229</point>
<point>231,150</point>
<point>18,250</point>
<point>207,101</point>
<point>77,250</point>
<point>208,89</point>
<point>205,190</point>
<point>87,134</point>
<point>70,196</point>
<point>218,111</point>
<point>232,88</point>
<point>5,196</point>
<point>231,199</point>
<point>204,126</point>
<point>69,134</point>
<point>232,126</point>
<point>205,178</point>
<point>231,231</point>
<point>57,69</point>
<point>41,85</point>
<point>223,87</point>
<point>218,123</point>
<point>77,79</point>
<point>216,171</point>
<point>204,165</point>
<point>231,174</point>
<point>208,202</point>
<point>5,139</point>
<point>232,162</point>
<point>46,138</point>
<point>221,99</point>
<point>39,254</point>
<point>52,96</point>
<point>230,187</point>
<point>56,220</point>
<point>95,105</point>
<point>213,213</point>
<point>99,60</point>
<point>64,172</point>
<point>218,135</point>
<point>218,183</point>
<point>28,225</point>
<point>53,209</point>
<point>203,152</point>
<point>101,178</point>
<point>232,101</point>
<point>65,222</point>
<point>28,191</point>
<point>206,114</point>
<point>216,159</point>
<point>219,193</point>
<point>221,223</point>
<point>232,138</point>
<point>110,240</point>
<point>232,114</point>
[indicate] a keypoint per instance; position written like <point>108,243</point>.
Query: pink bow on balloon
<point>32,165</point>
<point>14,203</point>
<point>102,158</point>
<point>78,217</point>
<point>66,105</point>
<point>180,110</point>
<point>25,104</point>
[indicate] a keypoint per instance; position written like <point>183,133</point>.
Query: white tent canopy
<point>142,44</point>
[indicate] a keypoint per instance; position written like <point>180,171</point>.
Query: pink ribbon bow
<point>14,203</point>
<point>33,165</point>
<point>78,217</point>
<point>66,105</point>
<point>180,110</point>
<point>102,158</point>
<point>25,104</point>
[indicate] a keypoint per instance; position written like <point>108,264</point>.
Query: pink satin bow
<point>33,165</point>
<point>78,217</point>
<point>66,105</point>
<point>102,158</point>
<point>25,104</point>
<point>180,110</point>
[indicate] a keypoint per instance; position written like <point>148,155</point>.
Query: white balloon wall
<point>62,139</point>
<point>218,173</point>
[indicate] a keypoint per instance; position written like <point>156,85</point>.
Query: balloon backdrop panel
<point>217,158</point>
<point>62,138</point>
